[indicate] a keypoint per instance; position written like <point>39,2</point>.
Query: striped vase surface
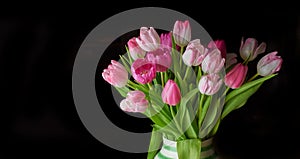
<point>169,151</point>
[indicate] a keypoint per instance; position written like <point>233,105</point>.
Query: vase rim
<point>204,142</point>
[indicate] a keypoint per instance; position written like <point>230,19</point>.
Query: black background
<point>38,45</point>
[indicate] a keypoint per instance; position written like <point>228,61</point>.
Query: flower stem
<point>186,72</point>
<point>199,73</point>
<point>162,79</point>
<point>181,49</point>
<point>137,86</point>
<point>253,77</point>
<point>149,86</point>
<point>200,109</point>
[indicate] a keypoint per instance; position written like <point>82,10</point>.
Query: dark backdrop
<point>38,46</point>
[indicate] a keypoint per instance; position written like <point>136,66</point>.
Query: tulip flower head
<point>171,93</point>
<point>220,44</point>
<point>194,54</point>
<point>182,32</point>
<point>135,50</point>
<point>161,57</point>
<point>269,64</point>
<point>134,102</point>
<point>236,76</point>
<point>210,84</point>
<point>213,62</point>
<point>143,71</point>
<point>115,74</point>
<point>230,59</point>
<point>148,40</point>
<point>250,49</point>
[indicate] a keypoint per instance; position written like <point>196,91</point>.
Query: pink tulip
<point>220,44</point>
<point>213,62</point>
<point>269,64</point>
<point>182,32</point>
<point>143,71</point>
<point>210,84</point>
<point>134,102</point>
<point>236,76</point>
<point>194,54</point>
<point>166,40</point>
<point>230,59</point>
<point>171,93</point>
<point>249,50</point>
<point>149,39</point>
<point>115,74</point>
<point>135,50</point>
<point>161,57</point>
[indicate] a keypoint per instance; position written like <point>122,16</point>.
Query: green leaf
<point>155,143</point>
<point>184,114</point>
<point>204,110</point>
<point>239,100</point>
<point>168,129</point>
<point>157,104</point>
<point>238,97</point>
<point>189,149</point>
<point>125,64</point>
<point>246,86</point>
<point>211,117</point>
<point>123,91</point>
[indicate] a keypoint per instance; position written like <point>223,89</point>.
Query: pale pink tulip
<point>269,64</point>
<point>230,59</point>
<point>236,76</point>
<point>194,54</point>
<point>210,84</point>
<point>182,32</point>
<point>249,50</point>
<point>115,74</point>
<point>161,57</point>
<point>134,102</point>
<point>135,50</point>
<point>171,93</point>
<point>143,71</point>
<point>148,40</point>
<point>213,62</point>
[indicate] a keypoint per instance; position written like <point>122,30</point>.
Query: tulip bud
<point>182,33</point>
<point>149,39</point>
<point>210,84</point>
<point>230,59</point>
<point>135,50</point>
<point>219,44</point>
<point>194,53</point>
<point>115,74</point>
<point>134,102</point>
<point>236,76</point>
<point>213,62</point>
<point>171,93</point>
<point>269,64</point>
<point>166,40</point>
<point>249,50</point>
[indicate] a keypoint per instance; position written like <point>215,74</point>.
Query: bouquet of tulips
<point>185,87</point>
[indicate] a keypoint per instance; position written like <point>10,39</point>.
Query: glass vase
<point>169,151</point>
